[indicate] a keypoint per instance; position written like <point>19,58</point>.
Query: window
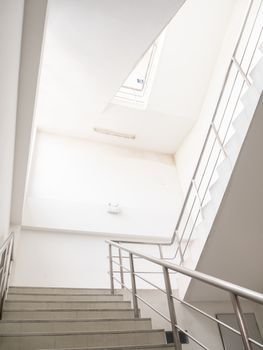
<point>135,91</point>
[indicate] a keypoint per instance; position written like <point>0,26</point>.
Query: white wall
<point>73,180</point>
<point>60,260</point>
<point>11,19</point>
<point>190,149</point>
<point>33,32</point>
<point>69,259</point>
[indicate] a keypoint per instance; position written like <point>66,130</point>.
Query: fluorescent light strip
<point>114,133</point>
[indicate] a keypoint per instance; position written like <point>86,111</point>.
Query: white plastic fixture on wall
<point>114,208</point>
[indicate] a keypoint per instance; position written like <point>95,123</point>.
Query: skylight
<point>136,89</point>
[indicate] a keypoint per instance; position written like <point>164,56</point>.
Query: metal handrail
<point>6,259</point>
<point>234,290</point>
<point>200,276</point>
<point>212,128</point>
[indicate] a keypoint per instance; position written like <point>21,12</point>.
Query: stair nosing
<point>63,294</point>
<point>69,301</point>
<point>32,334</point>
<point>76,320</point>
<point>62,288</point>
<point>64,309</point>
<point>120,347</point>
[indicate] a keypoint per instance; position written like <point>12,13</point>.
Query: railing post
<point>197,196</point>
<point>218,139</point>
<point>3,266</point>
<point>4,278</point>
<point>111,270</point>
<point>243,74</point>
<point>7,272</point>
<point>134,289</point>
<point>180,248</point>
<point>160,251</point>
<point>11,259</point>
<point>121,269</point>
<point>177,343</point>
<point>241,321</point>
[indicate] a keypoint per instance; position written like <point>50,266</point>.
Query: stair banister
<point>6,259</point>
<point>235,292</point>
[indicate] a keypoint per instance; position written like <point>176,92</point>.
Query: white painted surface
<point>57,259</point>
<point>11,18</point>
<point>85,64</point>
<point>151,202</point>
<point>73,180</point>
<point>60,260</point>
<point>33,31</point>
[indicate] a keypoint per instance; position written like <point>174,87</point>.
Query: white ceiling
<point>92,46</point>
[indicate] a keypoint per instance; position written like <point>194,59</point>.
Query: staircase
<point>70,318</point>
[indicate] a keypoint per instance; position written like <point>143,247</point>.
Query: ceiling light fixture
<point>114,133</point>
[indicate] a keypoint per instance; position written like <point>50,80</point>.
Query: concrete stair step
<point>55,290</point>
<point>74,325</point>
<point>50,305</point>
<point>63,297</point>
<point>58,314</point>
<point>129,347</point>
<point>55,340</point>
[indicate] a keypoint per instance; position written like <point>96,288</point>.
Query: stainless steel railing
<point>235,292</point>
<point>6,259</point>
<point>235,84</point>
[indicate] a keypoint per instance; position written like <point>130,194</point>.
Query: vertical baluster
<point>4,278</point>
<point>10,261</point>
<point>177,343</point>
<point>178,241</point>
<point>7,271</point>
<point>198,196</point>
<point>241,321</point>
<point>134,289</point>
<point>111,270</point>
<point>241,71</point>
<point>121,269</point>
<point>3,262</point>
<point>160,251</point>
<point>221,145</point>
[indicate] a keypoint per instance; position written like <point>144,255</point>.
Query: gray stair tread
<point>63,288</point>
<point>38,340</point>
<point>127,347</point>
<point>59,290</point>
<point>23,334</point>
<point>66,305</point>
<point>64,309</point>
<point>63,294</point>
<point>77,320</point>
<point>78,325</point>
<point>55,314</point>
<point>67,301</point>
<point>63,297</point>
